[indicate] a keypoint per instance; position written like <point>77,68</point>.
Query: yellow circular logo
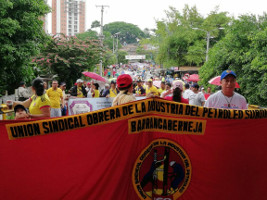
<point>162,171</point>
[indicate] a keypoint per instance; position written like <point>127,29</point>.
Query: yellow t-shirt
<point>160,91</point>
<point>96,94</point>
<point>79,92</point>
<point>37,103</point>
<point>55,97</point>
<point>152,89</point>
<point>112,93</point>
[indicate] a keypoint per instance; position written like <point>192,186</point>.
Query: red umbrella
<point>193,78</point>
<point>94,76</point>
<point>216,81</point>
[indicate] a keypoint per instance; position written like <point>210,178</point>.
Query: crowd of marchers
<point>52,102</point>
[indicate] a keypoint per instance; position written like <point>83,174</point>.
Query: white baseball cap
<point>79,81</point>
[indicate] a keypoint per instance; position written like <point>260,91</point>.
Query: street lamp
<point>208,38</point>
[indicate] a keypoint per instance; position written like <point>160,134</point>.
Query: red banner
<point>149,149</point>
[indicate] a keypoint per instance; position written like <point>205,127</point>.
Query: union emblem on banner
<point>162,171</point>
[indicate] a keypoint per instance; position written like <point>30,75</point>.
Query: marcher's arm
<point>45,113</point>
<point>62,102</point>
<point>25,103</point>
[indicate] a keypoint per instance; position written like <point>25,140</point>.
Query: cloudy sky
<point>144,12</point>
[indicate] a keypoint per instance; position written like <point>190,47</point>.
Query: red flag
<point>149,148</point>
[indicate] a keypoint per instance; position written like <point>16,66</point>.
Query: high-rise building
<point>68,16</point>
<point>44,19</point>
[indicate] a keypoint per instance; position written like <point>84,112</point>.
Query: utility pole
<point>208,39</point>
<point>101,37</point>
<point>117,45</point>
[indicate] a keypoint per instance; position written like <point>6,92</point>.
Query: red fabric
<point>182,99</point>
<point>206,95</point>
<point>105,72</point>
<point>228,162</point>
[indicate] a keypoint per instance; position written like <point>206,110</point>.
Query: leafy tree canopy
<point>89,34</point>
<point>178,42</point>
<point>21,37</point>
<point>127,32</point>
<point>243,50</point>
<point>95,24</point>
<point>68,57</point>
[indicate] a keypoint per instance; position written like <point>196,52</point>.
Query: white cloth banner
<point>84,105</point>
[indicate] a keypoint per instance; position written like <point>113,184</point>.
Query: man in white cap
<point>105,91</point>
<point>227,98</point>
<point>78,90</point>
<point>196,97</point>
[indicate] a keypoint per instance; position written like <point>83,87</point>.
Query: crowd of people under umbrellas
<point>124,87</point>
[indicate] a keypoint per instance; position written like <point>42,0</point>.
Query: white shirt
<point>218,100</point>
<point>89,93</point>
<point>196,98</point>
<point>164,92</point>
<point>187,93</point>
<point>23,92</point>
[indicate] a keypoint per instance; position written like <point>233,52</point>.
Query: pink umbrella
<point>94,76</point>
<point>216,81</point>
<point>193,78</point>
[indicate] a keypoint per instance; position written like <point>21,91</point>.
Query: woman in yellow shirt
<point>39,103</point>
<point>95,91</point>
<point>113,91</point>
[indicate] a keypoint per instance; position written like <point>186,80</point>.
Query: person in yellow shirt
<point>78,90</point>
<point>162,87</point>
<point>39,103</point>
<point>113,91</point>
<point>151,90</point>
<point>95,91</point>
<point>55,95</point>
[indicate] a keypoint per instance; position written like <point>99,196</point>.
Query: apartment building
<point>68,17</point>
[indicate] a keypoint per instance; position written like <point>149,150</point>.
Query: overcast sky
<point>144,12</point>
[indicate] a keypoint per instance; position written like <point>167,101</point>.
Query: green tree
<point>178,43</point>
<point>95,24</point>
<point>21,37</point>
<point>88,35</point>
<point>109,58</point>
<point>243,50</point>
<point>128,32</point>
<point>121,57</point>
<point>68,57</point>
